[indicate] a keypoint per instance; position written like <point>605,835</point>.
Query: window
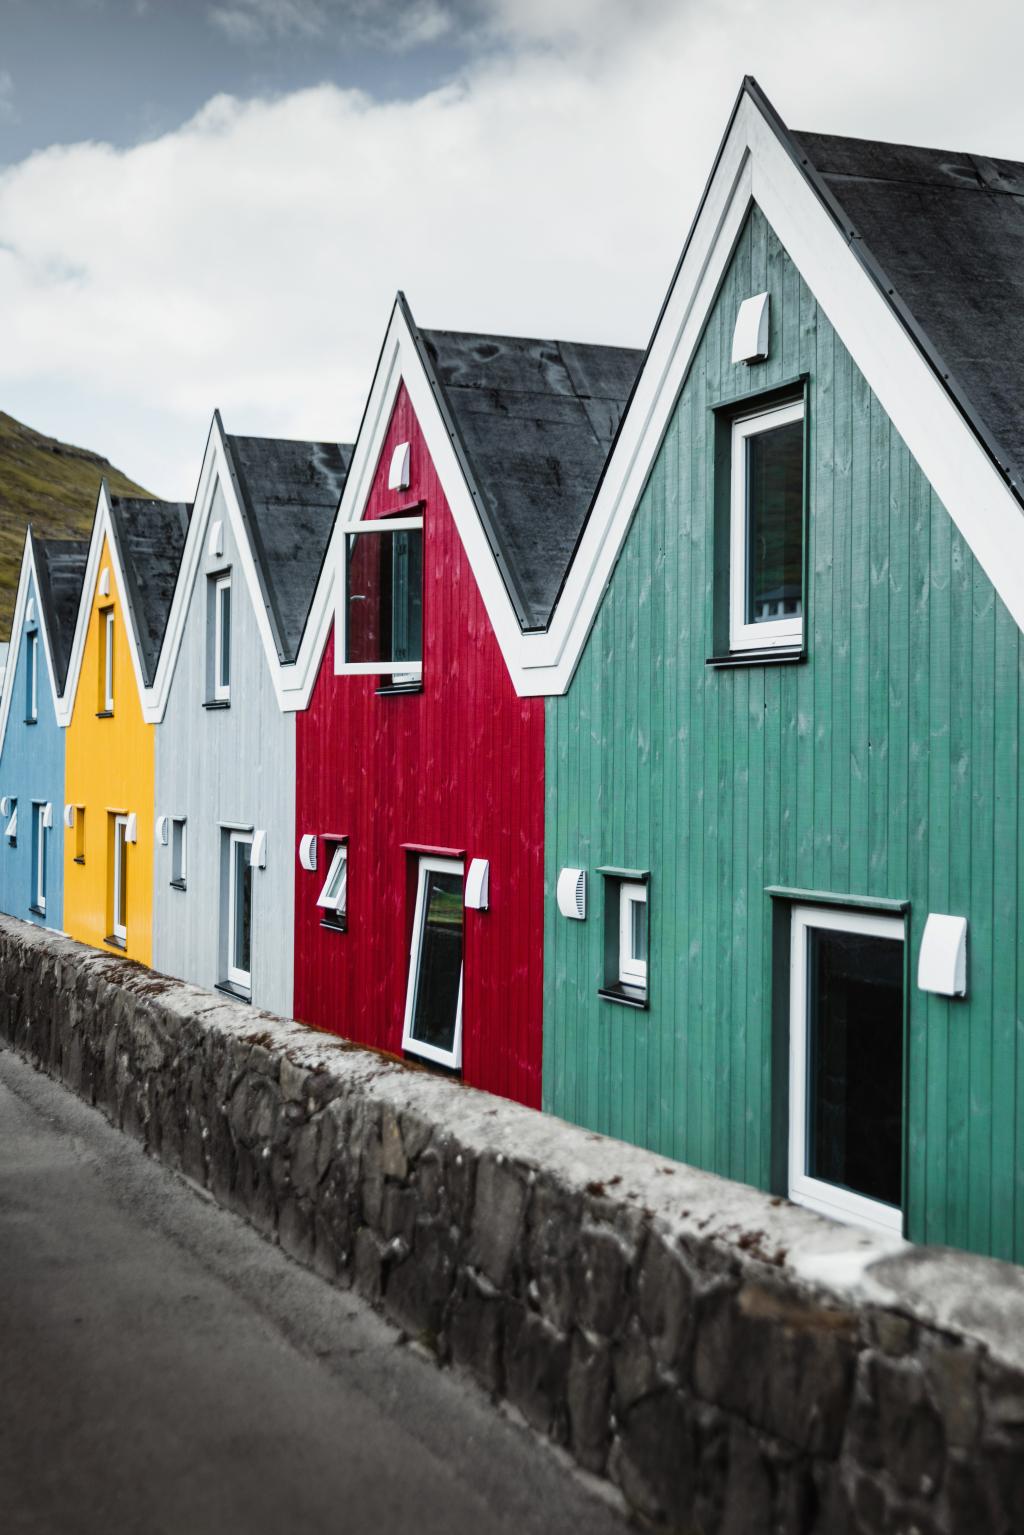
<point>766,545</point>
<point>39,846</point>
<point>433,1004</point>
<point>846,1065</point>
<point>626,935</point>
<point>179,852</point>
<point>79,833</point>
<point>221,639</point>
<point>11,827</point>
<point>633,935</point>
<point>333,898</point>
<point>119,880</point>
<point>31,677</point>
<point>106,661</point>
<point>239,911</point>
<point>383,594</point>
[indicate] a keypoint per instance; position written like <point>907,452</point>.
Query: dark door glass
<point>855,1062</point>
<point>440,961</point>
<point>775,512</point>
<point>242,958</point>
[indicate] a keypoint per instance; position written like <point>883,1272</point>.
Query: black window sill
<point>396,692</point>
<point>426,1064</point>
<point>30,721</point>
<point>217,703</point>
<point>231,990</point>
<point>334,927</point>
<point>177,884</point>
<point>115,943</point>
<point>770,657</point>
<point>78,858</point>
<point>37,911</point>
<point>626,996</point>
<point>104,714</point>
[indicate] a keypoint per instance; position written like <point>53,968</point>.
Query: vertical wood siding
<point>460,765</point>
<point>887,765</point>
<point>109,766</point>
<point>233,765</point>
<point>32,770</point>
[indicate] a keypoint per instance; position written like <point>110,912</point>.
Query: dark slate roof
<point>289,493</point>
<point>943,232</point>
<point>534,422</point>
<point>60,574</point>
<point>150,538</point>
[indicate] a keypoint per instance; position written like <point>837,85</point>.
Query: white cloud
<point>400,25</point>
<point>249,259</point>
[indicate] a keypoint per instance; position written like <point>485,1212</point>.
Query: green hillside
<point>50,485</point>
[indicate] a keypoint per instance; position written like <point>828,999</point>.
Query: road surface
<point>165,1371</point>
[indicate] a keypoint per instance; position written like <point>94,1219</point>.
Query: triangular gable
<point>102,529</point>
<point>759,161</point>
<point>28,583</point>
<point>218,468</point>
<point>405,358</point>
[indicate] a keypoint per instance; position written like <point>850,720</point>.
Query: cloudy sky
<point>212,202</point>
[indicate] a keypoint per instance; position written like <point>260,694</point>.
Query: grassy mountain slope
<point>52,486</point>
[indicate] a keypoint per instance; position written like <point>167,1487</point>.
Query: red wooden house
<point>420,756</point>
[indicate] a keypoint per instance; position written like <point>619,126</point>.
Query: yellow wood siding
<point>109,770</point>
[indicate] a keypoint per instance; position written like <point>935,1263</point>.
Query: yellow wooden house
<point>133,563</point>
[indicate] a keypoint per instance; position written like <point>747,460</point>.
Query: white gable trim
<point>101,529</point>
<point>216,471</point>
<point>28,581</point>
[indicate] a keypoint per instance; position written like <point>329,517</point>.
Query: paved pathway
<point>165,1371</point>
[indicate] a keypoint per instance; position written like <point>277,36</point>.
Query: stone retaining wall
<point>732,1363</point>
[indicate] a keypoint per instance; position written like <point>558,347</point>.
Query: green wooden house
<point>785,848</point>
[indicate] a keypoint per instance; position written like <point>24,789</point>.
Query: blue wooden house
<point>31,740</point>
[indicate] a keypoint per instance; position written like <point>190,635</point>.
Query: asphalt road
<point>163,1370</point>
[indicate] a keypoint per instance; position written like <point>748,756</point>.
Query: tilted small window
<point>626,935</point>
<point>433,1002</point>
<point>31,677</point>
<point>333,898</point>
<point>221,638</point>
<point>179,851</point>
<point>40,839</point>
<point>119,880</point>
<point>107,661</point>
<point>11,828</point>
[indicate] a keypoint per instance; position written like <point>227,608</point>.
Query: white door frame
<point>827,1198</point>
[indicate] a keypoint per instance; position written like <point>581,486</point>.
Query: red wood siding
<point>460,765</point>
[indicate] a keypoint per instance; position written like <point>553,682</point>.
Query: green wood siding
<point>887,765</point>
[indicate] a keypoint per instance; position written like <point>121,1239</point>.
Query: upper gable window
<point>383,597</point>
<point>219,639</point>
<point>766,545</point>
<point>31,676</point>
<point>106,660</point>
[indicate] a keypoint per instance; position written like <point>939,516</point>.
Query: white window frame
<point>221,684</point>
<point>451,1058</point>
<point>632,972</point>
<point>179,851</point>
<point>32,638</point>
<point>240,978</point>
<point>827,1198</point>
<point>338,902</point>
<point>120,929</point>
<point>785,632</point>
<point>399,671</point>
<point>108,660</point>
<point>40,828</point>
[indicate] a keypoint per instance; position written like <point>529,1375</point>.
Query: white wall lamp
<point>398,472</point>
<point>750,338</point>
<point>131,831</point>
<point>477,882</point>
<point>258,856</point>
<point>69,816</point>
<point>163,828</point>
<point>942,961</point>
<point>307,851</point>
